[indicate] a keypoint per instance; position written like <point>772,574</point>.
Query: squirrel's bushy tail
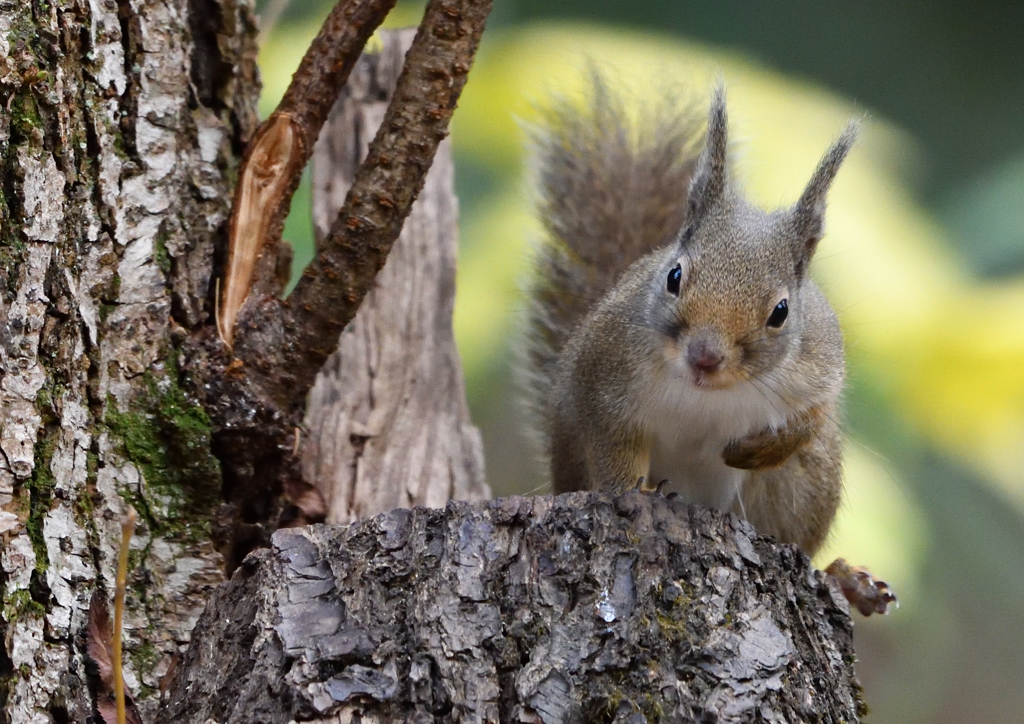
<point>611,186</point>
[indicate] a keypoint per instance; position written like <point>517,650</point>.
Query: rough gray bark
<point>387,421</point>
<point>119,128</point>
<point>580,608</point>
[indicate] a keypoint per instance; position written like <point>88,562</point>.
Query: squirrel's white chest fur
<point>690,427</point>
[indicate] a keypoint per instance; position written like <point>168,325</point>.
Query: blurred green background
<point>923,258</point>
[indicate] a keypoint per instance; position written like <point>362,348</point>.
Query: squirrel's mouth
<point>717,380</point>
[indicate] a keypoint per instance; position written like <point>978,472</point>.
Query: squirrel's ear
<point>709,177</point>
<point>809,212</point>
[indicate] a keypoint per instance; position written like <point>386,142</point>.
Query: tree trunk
<point>387,425</point>
<point>120,129</point>
<point>580,608</point>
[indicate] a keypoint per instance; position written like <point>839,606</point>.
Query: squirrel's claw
<point>861,589</point>
<point>658,490</point>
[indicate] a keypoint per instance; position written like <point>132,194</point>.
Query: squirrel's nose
<point>703,357</point>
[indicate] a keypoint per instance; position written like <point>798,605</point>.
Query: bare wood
<point>579,608</point>
<point>275,159</point>
<point>387,418</point>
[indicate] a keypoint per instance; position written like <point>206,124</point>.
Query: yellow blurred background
<point>935,339</point>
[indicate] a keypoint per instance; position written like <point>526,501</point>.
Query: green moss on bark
<point>160,254</point>
<point>167,436</point>
<point>12,247</point>
<point>144,658</point>
<point>25,116</point>
<point>40,487</point>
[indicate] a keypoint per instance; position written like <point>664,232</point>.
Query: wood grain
<point>387,416</point>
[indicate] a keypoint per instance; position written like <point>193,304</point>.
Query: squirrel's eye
<point>779,314</point>
<point>674,277</point>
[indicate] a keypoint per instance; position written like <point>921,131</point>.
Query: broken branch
<point>387,183</point>
<point>283,144</point>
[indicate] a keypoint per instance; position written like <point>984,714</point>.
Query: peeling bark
<point>387,425</point>
<point>580,608</point>
<point>120,125</point>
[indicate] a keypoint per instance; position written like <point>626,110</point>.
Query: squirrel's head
<point>731,283</point>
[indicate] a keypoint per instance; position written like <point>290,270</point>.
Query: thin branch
<point>382,193</point>
<point>127,529</point>
<point>282,145</point>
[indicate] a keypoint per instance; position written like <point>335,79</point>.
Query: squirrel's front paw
<point>770,448</point>
<point>758,452</point>
<point>861,589</point>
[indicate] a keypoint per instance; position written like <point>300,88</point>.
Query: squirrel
<point>674,331</point>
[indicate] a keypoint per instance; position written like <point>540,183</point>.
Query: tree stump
<point>578,608</point>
